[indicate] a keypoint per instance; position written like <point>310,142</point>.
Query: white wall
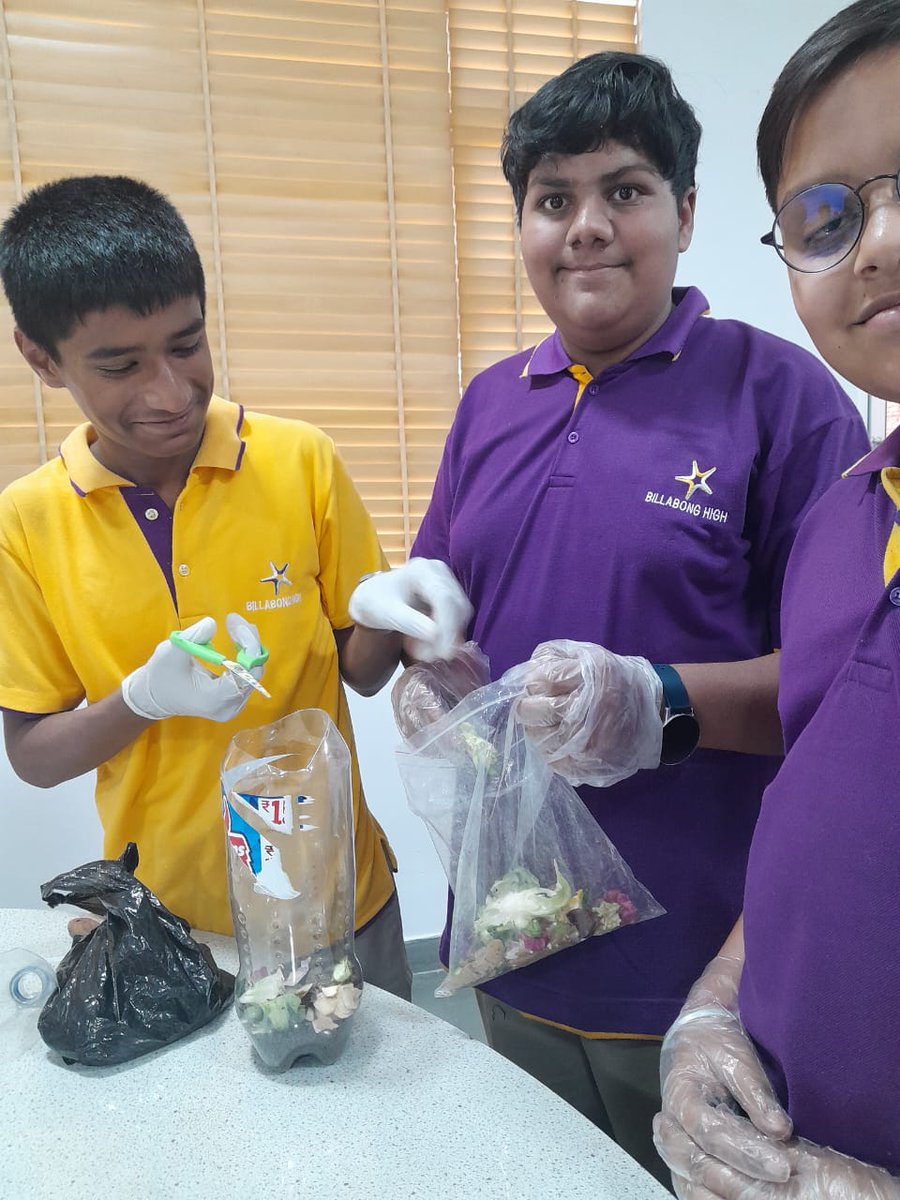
<point>725,55</point>
<point>421,881</point>
<point>43,833</point>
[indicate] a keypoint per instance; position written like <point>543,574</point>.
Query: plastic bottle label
<point>260,856</point>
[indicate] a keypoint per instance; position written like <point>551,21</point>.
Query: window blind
<point>337,163</point>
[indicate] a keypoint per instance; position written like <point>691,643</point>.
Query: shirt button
<point>184,569</point>
<point>894,596</point>
<point>573,437</point>
<point>151,514</point>
<point>593,389</point>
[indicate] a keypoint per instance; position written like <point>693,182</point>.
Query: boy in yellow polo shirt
<point>174,509</point>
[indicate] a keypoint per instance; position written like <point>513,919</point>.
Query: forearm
<point>733,946</point>
<point>719,983</point>
<point>48,750</point>
<point>736,704</point>
<point>367,657</point>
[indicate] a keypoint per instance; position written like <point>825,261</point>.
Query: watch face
<point>681,733</point>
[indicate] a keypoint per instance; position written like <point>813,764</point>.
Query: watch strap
<point>681,730</point>
<point>674,691</point>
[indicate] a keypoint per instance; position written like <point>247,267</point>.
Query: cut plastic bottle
<point>287,804</point>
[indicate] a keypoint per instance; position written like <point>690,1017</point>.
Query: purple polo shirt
<point>655,517</point>
<point>820,990</point>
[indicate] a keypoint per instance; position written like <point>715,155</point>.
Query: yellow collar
<point>221,447</point>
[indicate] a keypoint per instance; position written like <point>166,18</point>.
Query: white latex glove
<point>172,683</point>
<point>594,715</point>
<point>816,1173</point>
<point>708,1069</point>
<point>422,600</point>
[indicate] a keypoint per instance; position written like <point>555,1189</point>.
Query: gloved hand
<point>594,715</point>
<point>708,1067</point>
<point>816,1173</point>
<point>172,683</point>
<point>422,600</point>
<point>425,692</point>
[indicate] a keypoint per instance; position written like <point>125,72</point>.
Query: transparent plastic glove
<point>594,715</point>
<point>425,692</point>
<point>709,1069</point>
<point>172,683</point>
<point>422,600</point>
<point>816,1173</point>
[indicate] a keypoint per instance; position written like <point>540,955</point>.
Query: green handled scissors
<point>206,653</point>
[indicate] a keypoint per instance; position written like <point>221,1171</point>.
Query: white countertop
<point>413,1108</point>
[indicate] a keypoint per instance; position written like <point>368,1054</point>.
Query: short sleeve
<point>786,489</point>
<point>348,544</point>
<point>433,538</point>
<point>36,674</point>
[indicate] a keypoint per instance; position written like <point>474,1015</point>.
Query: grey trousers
<point>614,1082</point>
<point>381,951</point>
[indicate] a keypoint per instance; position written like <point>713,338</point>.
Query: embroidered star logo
<point>278,576</point>
<point>696,481</point>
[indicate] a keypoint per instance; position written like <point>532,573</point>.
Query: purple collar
<point>550,358</point>
<point>886,454</point>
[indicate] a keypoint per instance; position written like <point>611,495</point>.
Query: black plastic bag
<point>135,983</point>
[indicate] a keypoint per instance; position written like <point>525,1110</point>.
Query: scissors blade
<point>244,675</point>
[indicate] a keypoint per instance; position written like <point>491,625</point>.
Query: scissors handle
<point>248,660</point>
<point>207,653</point>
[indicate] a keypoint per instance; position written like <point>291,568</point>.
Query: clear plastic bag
<point>287,804</point>
<point>426,691</point>
<point>531,871</point>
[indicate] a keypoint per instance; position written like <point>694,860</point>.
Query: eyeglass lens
<point>820,226</point>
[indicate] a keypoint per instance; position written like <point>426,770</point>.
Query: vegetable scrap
<point>520,922</point>
<point>479,749</point>
<point>276,1003</point>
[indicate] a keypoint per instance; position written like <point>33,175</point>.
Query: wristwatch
<point>681,729</point>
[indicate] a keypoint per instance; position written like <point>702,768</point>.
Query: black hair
<point>861,29</point>
<point>628,98</point>
<point>84,244</point>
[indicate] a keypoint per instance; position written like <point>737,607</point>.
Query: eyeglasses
<point>817,228</point>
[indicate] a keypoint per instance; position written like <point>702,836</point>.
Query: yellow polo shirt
<point>269,525</point>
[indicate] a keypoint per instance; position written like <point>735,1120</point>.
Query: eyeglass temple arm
<point>768,239</point>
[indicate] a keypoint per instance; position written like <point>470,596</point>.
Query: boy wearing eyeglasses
<point>632,483</point>
<point>797,1018</point>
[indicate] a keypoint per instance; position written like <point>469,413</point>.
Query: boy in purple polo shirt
<point>814,977</point>
<point>634,482</point>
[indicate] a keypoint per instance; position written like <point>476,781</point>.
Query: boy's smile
<point>601,234</point>
<point>849,134</point>
<point>144,383</point>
